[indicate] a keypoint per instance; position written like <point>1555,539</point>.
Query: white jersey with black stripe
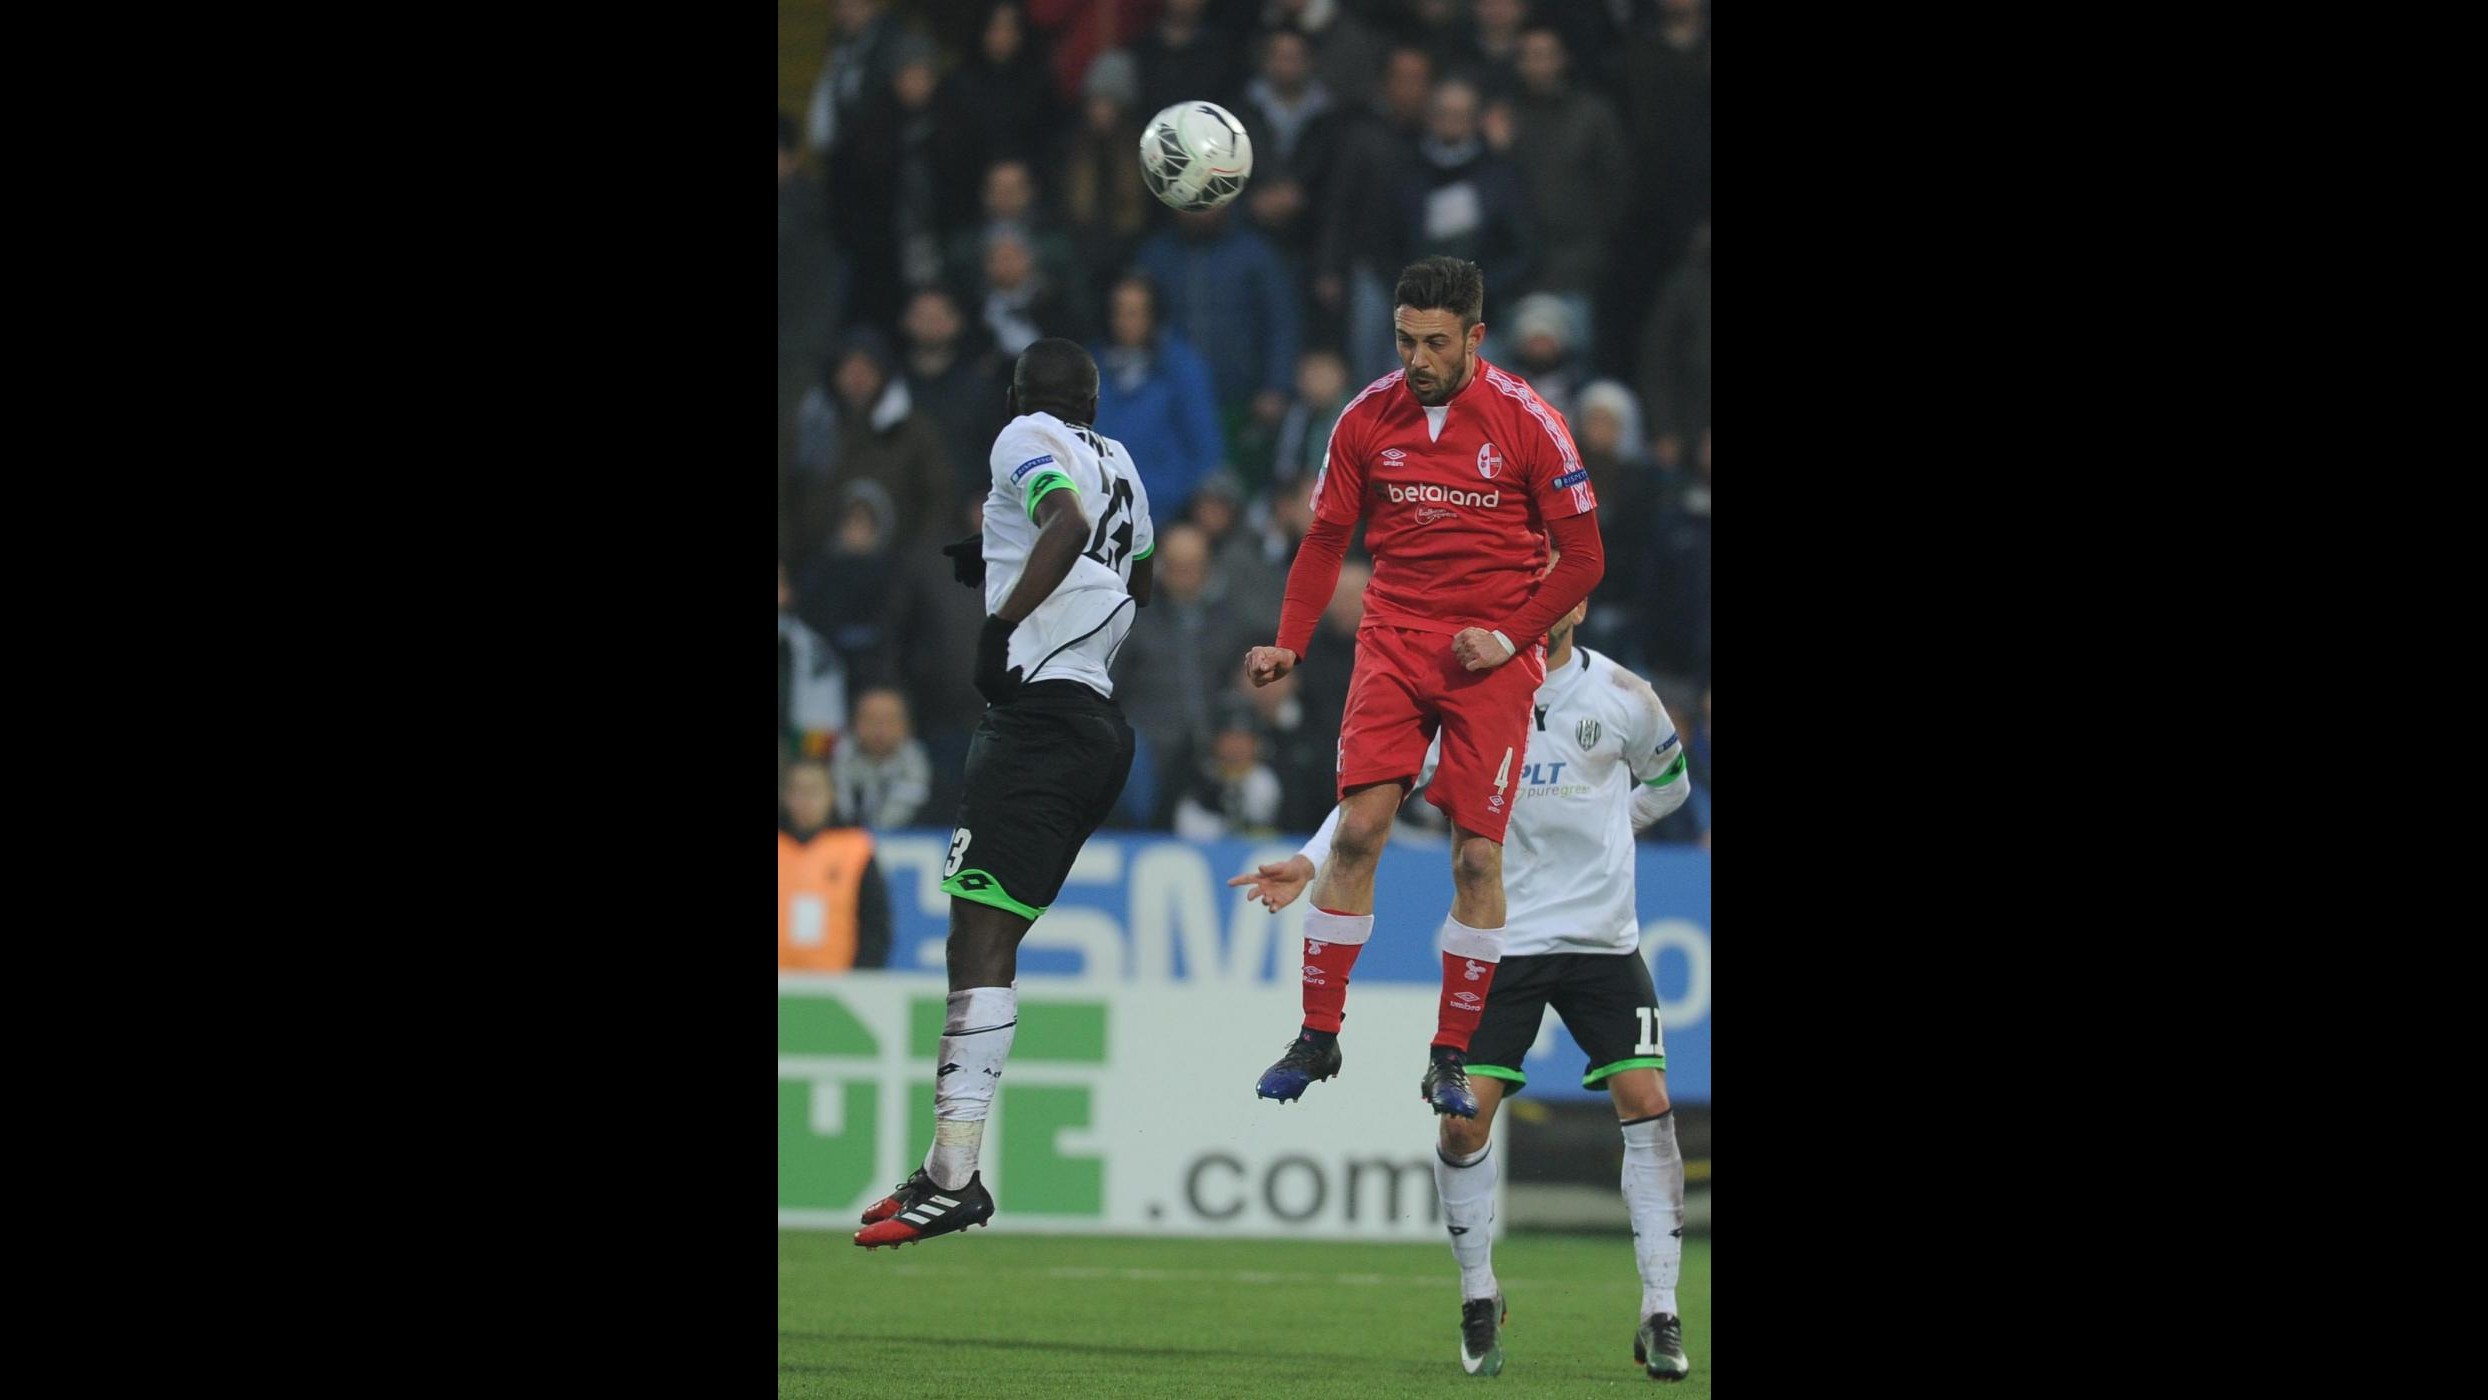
<point>1073,634</point>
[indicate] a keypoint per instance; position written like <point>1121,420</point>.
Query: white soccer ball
<point>1195,156</point>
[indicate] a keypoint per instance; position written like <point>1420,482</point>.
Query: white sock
<point>976,1039</point>
<point>1467,1186</point>
<point>1654,1191</point>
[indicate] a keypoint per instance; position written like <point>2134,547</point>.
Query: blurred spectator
<point>935,621</point>
<point>1569,148</point>
<point>1294,124</point>
<point>864,38</point>
<point>1331,659</point>
<point>1254,582</point>
<point>1106,207</point>
<point>833,905</point>
<point>1006,85</point>
<point>1628,486</point>
<point>1180,652</point>
<point>1304,434</point>
<point>1184,59</point>
<point>811,276</point>
<point>956,382</point>
<point>865,428</point>
<point>903,183</point>
<point>812,685</point>
<point>1347,53</point>
<point>1153,396</point>
<point>1676,590</point>
<point>1675,355</point>
<point>1488,52</point>
<point>1357,258</point>
<point>842,591</point>
<point>1295,747</point>
<point>1010,205</point>
<point>1667,117</point>
<point>1230,791</point>
<point>1080,30</point>
<point>1020,305</point>
<point>882,775</point>
<point>1546,348</point>
<point>1466,201</point>
<point>1223,286</point>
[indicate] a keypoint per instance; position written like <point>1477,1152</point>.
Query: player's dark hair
<point>1055,376</point>
<point>1443,284</point>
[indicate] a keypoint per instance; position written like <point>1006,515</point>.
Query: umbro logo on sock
<point>1676,1234</point>
<point>945,1070</point>
<point>1459,1229</point>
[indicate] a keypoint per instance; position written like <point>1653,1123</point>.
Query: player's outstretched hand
<point>1277,884</point>
<point>1266,664</point>
<point>1477,649</point>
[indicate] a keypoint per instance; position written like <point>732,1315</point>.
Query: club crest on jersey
<point>1489,461</point>
<point>1587,732</point>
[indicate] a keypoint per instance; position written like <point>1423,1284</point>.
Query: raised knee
<point>1462,1137</point>
<point>1478,861</point>
<point>1360,837</point>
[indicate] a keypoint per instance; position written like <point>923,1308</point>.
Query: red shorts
<point>1406,686</point>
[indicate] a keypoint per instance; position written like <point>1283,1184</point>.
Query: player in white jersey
<point>1064,561</point>
<point>1603,761</point>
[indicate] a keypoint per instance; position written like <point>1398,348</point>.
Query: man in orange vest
<point>833,907</point>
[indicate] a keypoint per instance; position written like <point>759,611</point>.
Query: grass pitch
<point>1034,1315</point>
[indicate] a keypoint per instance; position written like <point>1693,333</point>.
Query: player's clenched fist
<point>1480,650</point>
<point>1278,883</point>
<point>1266,664</point>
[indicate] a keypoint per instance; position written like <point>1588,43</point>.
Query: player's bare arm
<point>1062,530</point>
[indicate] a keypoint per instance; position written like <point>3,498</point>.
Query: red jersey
<point>1455,499</point>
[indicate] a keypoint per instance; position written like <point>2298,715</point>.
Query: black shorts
<point>1606,1001</point>
<point>1043,771</point>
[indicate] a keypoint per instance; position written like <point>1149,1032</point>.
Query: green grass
<point>1034,1315</point>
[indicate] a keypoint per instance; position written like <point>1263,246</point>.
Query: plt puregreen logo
<point>855,1098</point>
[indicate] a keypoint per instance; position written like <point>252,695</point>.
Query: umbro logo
<point>1459,1229</point>
<point>1677,1233</point>
<point>1393,455</point>
<point>945,1070</point>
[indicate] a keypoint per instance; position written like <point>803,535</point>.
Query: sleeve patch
<point>1571,478</point>
<point>1030,465</point>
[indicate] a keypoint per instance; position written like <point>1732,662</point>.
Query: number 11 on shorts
<point>1649,1030</point>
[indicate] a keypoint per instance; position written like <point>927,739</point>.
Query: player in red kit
<point>1462,476</point>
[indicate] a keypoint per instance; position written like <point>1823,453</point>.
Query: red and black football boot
<point>919,1210</point>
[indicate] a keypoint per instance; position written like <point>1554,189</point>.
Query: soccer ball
<point>1195,156</point>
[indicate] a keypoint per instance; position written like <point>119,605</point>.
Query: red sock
<point>1465,982</point>
<point>1326,966</point>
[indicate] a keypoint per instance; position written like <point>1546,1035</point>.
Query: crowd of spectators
<point>965,179</point>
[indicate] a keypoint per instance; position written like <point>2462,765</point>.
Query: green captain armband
<point>1152,549</point>
<point>1672,770</point>
<point>1051,481</point>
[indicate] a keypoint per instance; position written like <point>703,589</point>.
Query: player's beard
<point>1441,393</point>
